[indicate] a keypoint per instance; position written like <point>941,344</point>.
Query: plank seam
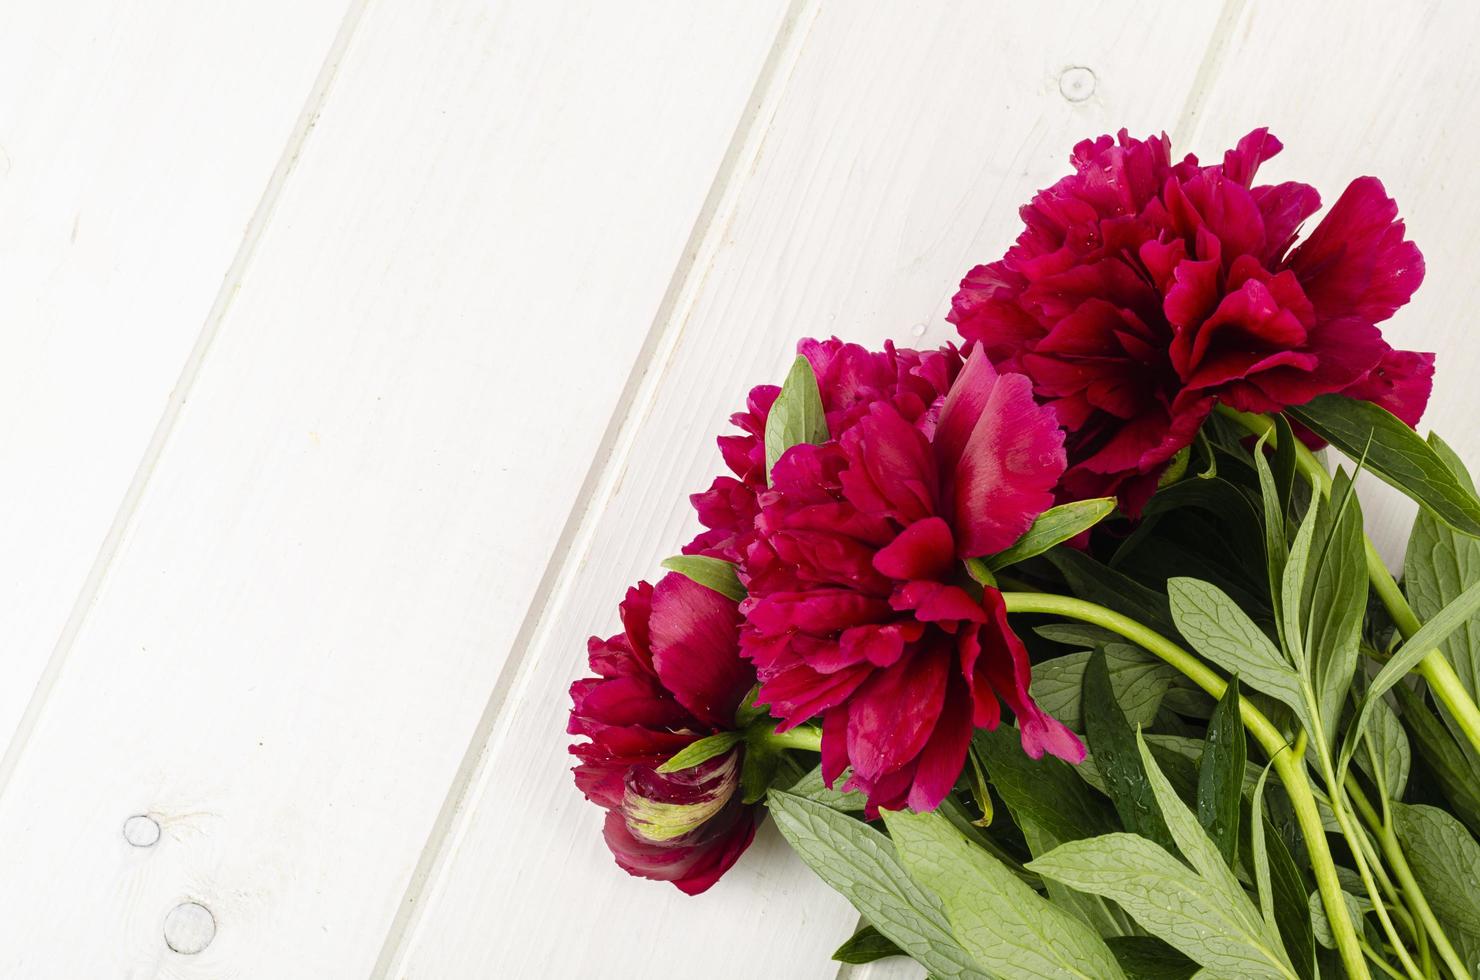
<point>179,394</point>
<point>1189,120</point>
<point>711,227</point>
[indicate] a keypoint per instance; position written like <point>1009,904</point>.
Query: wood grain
<point>135,144</point>
<point>340,540</point>
<point>898,154</point>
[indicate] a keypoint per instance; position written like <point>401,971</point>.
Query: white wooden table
<point>353,358</point>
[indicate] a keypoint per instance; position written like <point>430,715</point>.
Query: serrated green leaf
<point>1395,453</point>
<point>1446,861</point>
<point>861,864</point>
<point>796,416</point>
<point>865,946</point>
<point>1148,958</point>
<point>1219,630</point>
<point>1139,680</point>
<point>701,751</point>
<point>712,573</point>
<point>1045,791</point>
<point>1054,526</point>
<point>1168,899</point>
<point>1001,923</point>
<point>1220,775</point>
<point>1113,742</point>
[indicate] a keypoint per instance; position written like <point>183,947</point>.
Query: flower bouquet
<point>1061,651</point>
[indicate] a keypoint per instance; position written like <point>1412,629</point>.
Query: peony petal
<point>1401,383</point>
<point>891,716</point>
<point>1006,475</point>
<point>923,550</point>
<point>696,649</point>
<point>890,467</point>
<point>1356,262</point>
<point>940,763</point>
<point>937,602</point>
<point>1005,663</point>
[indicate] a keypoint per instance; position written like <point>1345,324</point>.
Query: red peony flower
<point>1141,292</point>
<point>850,379</point>
<point>857,609</point>
<point>672,677</point>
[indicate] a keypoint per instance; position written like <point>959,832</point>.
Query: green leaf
<point>811,787</point>
<point>1001,923</point>
<point>1276,544</point>
<point>1430,635</point>
<point>1167,899</point>
<point>1194,843</point>
<point>1138,679</point>
<point>865,946</point>
<point>758,771</point>
<point>1148,958</point>
<point>1218,629</point>
<point>1446,861</point>
<point>1113,743</point>
<point>1281,889</point>
<point>1054,526</point>
<point>1045,791</point>
<point>712,573</point>
<point>1385,755</point>
<point>1099,914</point>
<point>1439,566</point>
<point>1356,907</point>
<point>1458,780</point>
<point>1220,775</point>
<point>796,416</point>
<point>1395,453</point>
<point>1335,600</point>
<point>1080,635</point>
<point>861,864</point>
<point>701,751</point>
<point>1095,582</point>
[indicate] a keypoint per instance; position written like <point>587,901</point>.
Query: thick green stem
<point>1287,765</point>
<point>1440,675</point>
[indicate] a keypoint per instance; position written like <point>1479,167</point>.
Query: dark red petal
<point>1356,262</point>
<point>1005,661</point>
<point>892,714</point>
<point>941,761</point>
<point>1401,383</point>
<point>696,649</point>
<point>922,550</point>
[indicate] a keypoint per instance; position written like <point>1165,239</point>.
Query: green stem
<point>1398,861</point>
<point>1287,765</point>
<point>1440,675</point>
<point>806,738</point>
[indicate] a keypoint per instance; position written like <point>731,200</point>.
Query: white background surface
<point>353,358</point>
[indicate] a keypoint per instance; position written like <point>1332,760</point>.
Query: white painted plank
<point>354,510</point>
<point>135,143</point>
<point>1387,89</point>
<point>901,147</point>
